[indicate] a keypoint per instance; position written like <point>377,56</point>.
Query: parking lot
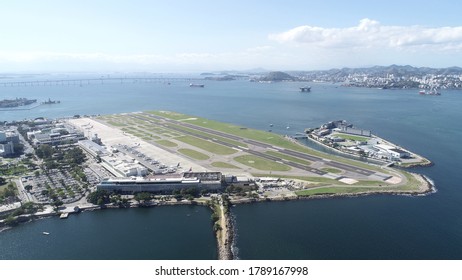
<point>59,184</point>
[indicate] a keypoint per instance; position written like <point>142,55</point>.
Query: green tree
<point>28,188</point>
<point>11,221</point>
<point>217,227</point>
<point>99,197</point>
<point>9,191</point>
<point>44,151</point>
<point>56,203</point>
<point>74,156</point>
<point>143,197</point>
<point>214,217</point>
<point>31,208</point>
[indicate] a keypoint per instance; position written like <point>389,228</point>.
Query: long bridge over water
<point>102,80</point>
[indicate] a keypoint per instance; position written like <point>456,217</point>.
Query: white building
<point>393,151</point>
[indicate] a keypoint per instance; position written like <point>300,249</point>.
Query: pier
<point>64,215</point>
<point>299,136</point>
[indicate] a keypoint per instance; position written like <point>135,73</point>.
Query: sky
<point>219,35</point>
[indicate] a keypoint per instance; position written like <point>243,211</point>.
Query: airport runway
<point>288,152</point>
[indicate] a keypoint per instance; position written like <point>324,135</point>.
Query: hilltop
<point>278,76</point>
<point>393,76</point>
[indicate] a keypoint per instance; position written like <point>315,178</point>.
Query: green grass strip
<point>166,143</point>
<point>193,154</point>
<point>261,163</point>
<point>206,145</point>
<point>331,170</point>
<point>351,137</point>
<point>220,164</point>
<point>114,123</point>
<point>311,179</point>
<point>290,158</point>
<point>335,190</point>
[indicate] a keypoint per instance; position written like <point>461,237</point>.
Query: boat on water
<point>49,101</point>
<point>45,233</point>
<point>430,92</point>
<point>196,85</point>
<point>305,89</point>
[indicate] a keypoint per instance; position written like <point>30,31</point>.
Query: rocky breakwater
<point>222,226</point>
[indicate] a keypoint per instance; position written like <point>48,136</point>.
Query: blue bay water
<point>170,232</point>
<point>374,227</point>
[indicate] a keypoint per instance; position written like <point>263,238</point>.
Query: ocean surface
<point>373,227</point>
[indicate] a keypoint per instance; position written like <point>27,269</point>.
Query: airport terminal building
<point>130,185</point>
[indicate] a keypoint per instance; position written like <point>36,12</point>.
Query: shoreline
<point>225,237</point>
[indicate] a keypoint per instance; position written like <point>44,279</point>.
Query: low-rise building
<point>393,151</point>
<point>156,185</point>
<point>7,141</point>
<point>92,148</point>
<point>123,167</point>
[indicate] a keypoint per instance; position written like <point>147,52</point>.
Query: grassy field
<point>170,115</point>
<point>13,170</point>
<point>290,158</point>
<point>210,136</point>
<point>220,164</point>
<point>166,143</point>
<point>193,154</point>
<point>114,123</point>
<point>351,137</point>
<point>335,190</point>
<point>311,179</point>
<point>331,170</point>
<point>365,186</point>
<point>261,164</point>
<point>372,183</point>
<point>206,145</point>
<point>412,183</point>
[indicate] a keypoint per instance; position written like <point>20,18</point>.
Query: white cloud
<point>260,49</point>
<point>370,33</point>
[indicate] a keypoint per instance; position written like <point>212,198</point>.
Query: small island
<point>277,76</point>
<point>17,102</point>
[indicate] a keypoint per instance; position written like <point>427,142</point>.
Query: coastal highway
<point>287,152</point>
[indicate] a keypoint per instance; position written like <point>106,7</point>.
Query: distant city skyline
<point>195,36</point>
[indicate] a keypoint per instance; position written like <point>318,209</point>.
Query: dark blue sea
<point>373,227</point>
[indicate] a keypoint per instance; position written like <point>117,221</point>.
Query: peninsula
<point>158,158</point>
